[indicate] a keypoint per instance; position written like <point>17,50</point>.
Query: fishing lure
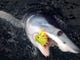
<point>42,38</point>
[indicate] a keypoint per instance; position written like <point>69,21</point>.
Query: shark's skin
<point>37,22</point>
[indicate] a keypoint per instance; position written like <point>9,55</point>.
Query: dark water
<point>14,44</point>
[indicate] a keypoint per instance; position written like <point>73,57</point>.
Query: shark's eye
<point>59,33</point>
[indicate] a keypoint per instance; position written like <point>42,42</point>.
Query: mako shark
<point>42,34</point>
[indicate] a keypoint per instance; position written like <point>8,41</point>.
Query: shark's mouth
<point>43,39</point>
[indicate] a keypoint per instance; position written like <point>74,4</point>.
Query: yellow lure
<point>41,38</point>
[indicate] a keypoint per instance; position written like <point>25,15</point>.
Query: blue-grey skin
<point>36,22</point>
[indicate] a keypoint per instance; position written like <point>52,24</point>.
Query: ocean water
<point>14,44</point>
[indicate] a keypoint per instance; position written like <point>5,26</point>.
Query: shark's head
<point>56,37</point>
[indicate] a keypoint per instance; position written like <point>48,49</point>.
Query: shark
<point>41,33</point>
